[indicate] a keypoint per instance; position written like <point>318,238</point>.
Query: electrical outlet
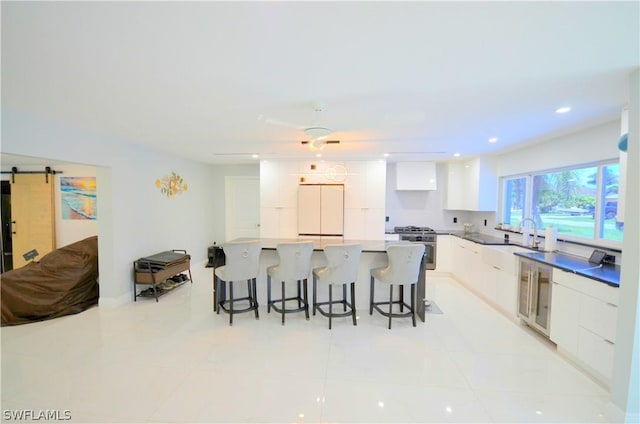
<point>609,259</point>
<point>485,222</point>
<point>386,219</point>
<point>455,219</point>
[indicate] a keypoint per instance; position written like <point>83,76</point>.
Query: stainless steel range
<point>424,235</point>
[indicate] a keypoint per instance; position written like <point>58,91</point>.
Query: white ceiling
<point>419,80</point>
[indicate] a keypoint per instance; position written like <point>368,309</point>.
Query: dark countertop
<point>608,274</point>
<point>484,239</point>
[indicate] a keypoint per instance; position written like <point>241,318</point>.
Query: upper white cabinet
<point>365,185</point>
<point>279,184</point>
<point>416,176</point>
<point>472,185</point>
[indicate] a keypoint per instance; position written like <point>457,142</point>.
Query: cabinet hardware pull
<point>497,267</point>
<point>609,341</point>
<point>611,304</point>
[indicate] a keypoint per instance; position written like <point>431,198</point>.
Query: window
<point>582,203</point>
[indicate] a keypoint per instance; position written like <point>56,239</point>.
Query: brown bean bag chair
<point>63,282</point>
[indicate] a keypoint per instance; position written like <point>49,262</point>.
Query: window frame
<point>597,239</point>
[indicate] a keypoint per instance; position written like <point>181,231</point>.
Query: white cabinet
<point>278,199</point>
<point>565,309</point>
<point>472,185</point>
<point>444,254</point>
<point>279,184</point>
<point>364,185</point>
<point>364,201</point>
<point>583,321</point>
<point>364,224</point>
<point>278,223</point>
<point>503,271</point>
<point>489,271</point>
<point>321,210</point>
<point>416,176</point>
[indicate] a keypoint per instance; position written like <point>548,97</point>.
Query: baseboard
<point>114,302</point>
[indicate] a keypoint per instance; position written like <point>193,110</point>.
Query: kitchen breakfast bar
<point>374,255</point>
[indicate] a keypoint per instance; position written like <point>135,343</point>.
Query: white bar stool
<point>242,263</point>
<point>342,268</point>
<point>403,268</point>
<point>295,265</point>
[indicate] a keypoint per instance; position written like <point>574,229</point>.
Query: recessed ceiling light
<point>563,109</point>
<point>493,139</point>
<point>254,156</point>
<point>386,155</point>
<point>457,155</point>
<point>318,155</point>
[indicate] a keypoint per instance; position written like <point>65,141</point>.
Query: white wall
<point>591,145</point>
<point>625,385</point>
<point>134,219</point>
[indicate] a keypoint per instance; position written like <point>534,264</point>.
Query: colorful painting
<point>78,197</point>
<point>171,185</point>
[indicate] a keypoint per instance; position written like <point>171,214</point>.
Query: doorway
<point>242,207</point>
<point>6,246</point>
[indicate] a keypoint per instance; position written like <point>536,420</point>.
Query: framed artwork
<point>78,198</point>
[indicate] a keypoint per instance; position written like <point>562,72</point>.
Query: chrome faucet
<point>534,241</point>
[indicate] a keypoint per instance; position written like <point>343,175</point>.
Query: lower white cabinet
<point>489,271</point>
<point>565,311</point>
<point>584,316</point>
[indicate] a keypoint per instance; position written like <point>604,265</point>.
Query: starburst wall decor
<point>171,185</point>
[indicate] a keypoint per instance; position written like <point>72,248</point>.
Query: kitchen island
<point>374,255</point>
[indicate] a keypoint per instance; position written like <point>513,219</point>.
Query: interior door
<point>242,200</point>
<point>31,215</point>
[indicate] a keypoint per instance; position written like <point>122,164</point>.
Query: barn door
<point>31,215</point>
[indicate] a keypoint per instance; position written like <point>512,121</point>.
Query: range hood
<point>416,176</point>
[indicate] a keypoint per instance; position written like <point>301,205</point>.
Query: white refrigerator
<point>321,210</point>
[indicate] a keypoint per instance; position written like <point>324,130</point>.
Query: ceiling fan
<point>318,134</point>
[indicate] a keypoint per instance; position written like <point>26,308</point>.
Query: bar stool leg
<point>413,304</point>
<point>371,297</point>
<point>255,297</point>
<point>230,302</point>
<point>283,302</point>
<point>401,298</point>
<point>306,299</point>
<point>344,297</point>
<point>353,303</point>
<point>217,289</point>
<point>314,292</point>
<point>390,303</point>
<point>268,294</point>
<point>330,304</point>
<point>299,295</point>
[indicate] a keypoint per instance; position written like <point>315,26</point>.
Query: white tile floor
<point>176,361</point>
